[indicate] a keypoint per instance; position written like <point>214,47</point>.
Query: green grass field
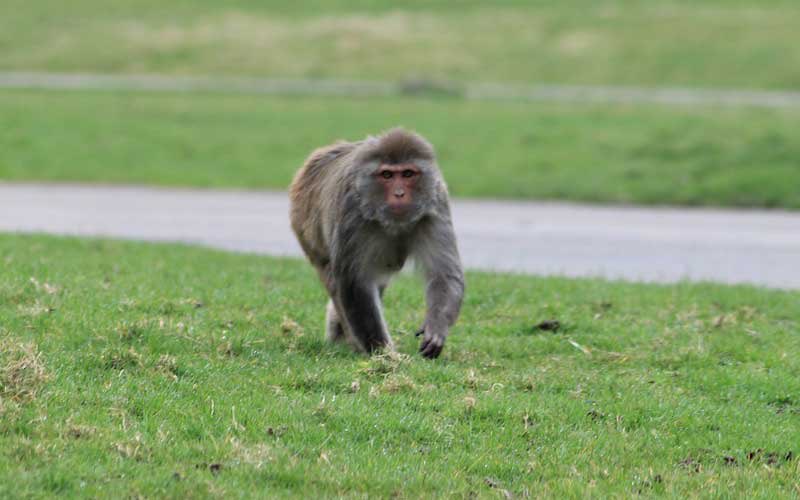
<point>717,43</point>
<point>132,369</point>
<point>626,154</point>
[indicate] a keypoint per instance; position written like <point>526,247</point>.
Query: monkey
<point>361,209</point>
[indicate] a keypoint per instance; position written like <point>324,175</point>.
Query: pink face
<point>398,182</point>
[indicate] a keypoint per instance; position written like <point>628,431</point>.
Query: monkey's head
<point>398,181</point>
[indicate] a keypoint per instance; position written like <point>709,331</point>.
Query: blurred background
<point>612,101</point>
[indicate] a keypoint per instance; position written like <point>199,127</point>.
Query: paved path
<point>563,93</point>
<point>648,244</point>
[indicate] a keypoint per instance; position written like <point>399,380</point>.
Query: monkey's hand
<point>432,343</point>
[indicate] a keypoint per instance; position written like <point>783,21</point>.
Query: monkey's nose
<point>399,193</point>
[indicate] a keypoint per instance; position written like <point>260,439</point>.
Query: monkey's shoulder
<point>326,156</point>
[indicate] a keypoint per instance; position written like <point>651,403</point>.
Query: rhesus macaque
<point>359,210</point>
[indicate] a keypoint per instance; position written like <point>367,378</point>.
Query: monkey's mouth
<point>400,209</point>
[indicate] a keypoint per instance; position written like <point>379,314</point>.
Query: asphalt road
<point>640,244</point>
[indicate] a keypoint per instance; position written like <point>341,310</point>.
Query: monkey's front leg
<point>361,307</point>
<point>443,297</point>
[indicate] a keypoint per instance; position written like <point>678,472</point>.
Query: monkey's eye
<point>408,173</point>
<point>386,174</point>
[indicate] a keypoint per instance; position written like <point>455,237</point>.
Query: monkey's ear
<point>442,193</point>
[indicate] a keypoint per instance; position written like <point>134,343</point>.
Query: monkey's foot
<point>431,346</point>
<point>375,346</point>
<point>336,333</point>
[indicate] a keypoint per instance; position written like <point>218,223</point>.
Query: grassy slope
<point>729,157</point>
<point>579,41</point>
<point>162,361</point>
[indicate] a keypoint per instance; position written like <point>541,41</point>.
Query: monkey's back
<point>313,193</point>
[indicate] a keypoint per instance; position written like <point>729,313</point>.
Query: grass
<point>156,370</point>
<point>615,153</point>
<point>629,42</point>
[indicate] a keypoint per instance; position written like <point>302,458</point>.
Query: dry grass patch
<point>256,455</point>
<point>22,370</point>
<point>394,383</point>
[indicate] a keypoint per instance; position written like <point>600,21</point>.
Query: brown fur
<point>399,146</point>
<point>306,192</point>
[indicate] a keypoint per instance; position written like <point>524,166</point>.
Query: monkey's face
<point>397,195</point>
<point>399,186</point>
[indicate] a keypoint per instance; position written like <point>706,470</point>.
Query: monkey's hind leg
<point>334,330</point>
